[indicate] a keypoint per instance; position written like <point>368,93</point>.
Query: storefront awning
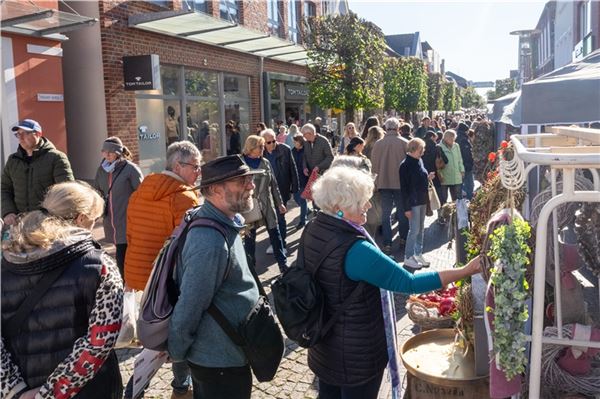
<point>204,28</point>
<point>27,18</point>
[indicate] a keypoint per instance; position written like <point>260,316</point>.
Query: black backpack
<point>299,300</point>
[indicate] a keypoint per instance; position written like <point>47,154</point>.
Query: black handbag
<point>259,336</point>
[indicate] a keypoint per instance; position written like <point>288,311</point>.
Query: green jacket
<point>452,173</point>
<point>26,179</point>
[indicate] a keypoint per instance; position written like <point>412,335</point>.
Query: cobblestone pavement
<point>294,380</point>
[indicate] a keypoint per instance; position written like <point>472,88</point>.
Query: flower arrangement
<point>510,253</point>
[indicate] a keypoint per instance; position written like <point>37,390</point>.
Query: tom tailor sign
<point>141,72</point>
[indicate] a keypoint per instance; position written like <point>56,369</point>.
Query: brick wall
<point>119,40</point>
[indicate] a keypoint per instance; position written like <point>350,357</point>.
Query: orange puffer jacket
<point>154,210</point>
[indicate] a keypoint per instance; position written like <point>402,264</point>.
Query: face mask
<point>108,166</point>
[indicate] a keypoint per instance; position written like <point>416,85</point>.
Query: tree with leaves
<point>449,99</point>
<point>435,93</point>
<point>503,87</point>
<point>472,99</point>
<point>346,55</point>
<point>405,85</point>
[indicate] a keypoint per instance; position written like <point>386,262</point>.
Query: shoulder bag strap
<point>115,178</point>
<point>13,326</point>
<point>216,314</point>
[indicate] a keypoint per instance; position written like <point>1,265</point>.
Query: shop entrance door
<point>294,113</point>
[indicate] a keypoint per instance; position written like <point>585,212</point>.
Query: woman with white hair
<point>62,300</point>
<point>351,358</point>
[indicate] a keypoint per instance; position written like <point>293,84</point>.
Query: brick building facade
<point>204,85</point>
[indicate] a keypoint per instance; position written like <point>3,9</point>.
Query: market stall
<point>527,281</point>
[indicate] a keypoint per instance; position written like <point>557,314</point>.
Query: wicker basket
<point>425,319</point>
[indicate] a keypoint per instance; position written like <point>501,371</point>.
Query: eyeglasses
<point>196,167</point>
<point>351,127</point>
<point>22,133</point>
<point>270,142</point>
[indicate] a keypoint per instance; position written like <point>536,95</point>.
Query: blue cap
<point>29,125</point>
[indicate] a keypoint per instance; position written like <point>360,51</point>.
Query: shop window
<point>170,80</point>
<point>203,127</point>
<point>275,95</point>
<point>276,114</point>
<point>237,114</point>
<point>162,3</point>
<point>228,10</point>
<point>200,83</point>
<point>236,86</point>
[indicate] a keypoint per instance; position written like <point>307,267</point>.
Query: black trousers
<point>217,383</point>
<point>120,258</point>
<point>368,390</point>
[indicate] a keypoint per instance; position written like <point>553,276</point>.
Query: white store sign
<point>50,97</point>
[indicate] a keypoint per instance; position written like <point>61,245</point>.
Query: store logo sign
<point>141,72</point>
<point>296,92</point>
<point>146,134</point>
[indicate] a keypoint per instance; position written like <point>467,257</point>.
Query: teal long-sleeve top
<point>365,262</point>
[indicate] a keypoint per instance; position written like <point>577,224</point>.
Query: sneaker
<point>270,250</point>
<point>387,249</point>
<point>412,263</point>
<point>422,260</point>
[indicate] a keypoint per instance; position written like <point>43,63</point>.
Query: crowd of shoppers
<point>50,236</point>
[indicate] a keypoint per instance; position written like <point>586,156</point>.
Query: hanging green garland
<point>510,251</point>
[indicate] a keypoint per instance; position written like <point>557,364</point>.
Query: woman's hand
<point>408,214</point>
<point>431,175</point>
<point>474,266</point>
<point>282,209</point>
<point>29,394</point>
<point>305,171</point>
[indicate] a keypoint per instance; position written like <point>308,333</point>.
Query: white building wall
<point>563,32</point>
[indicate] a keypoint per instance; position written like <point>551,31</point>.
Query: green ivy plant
<point>510,251</point>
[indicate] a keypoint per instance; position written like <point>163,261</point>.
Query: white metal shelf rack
<point>565,150</point>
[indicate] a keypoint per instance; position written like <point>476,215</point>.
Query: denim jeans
<point>368,390</point>
<point>181,377</point>
<point>414,241</point>
<point>468,184</point>
<point>229,382</point>
<point>302,204</point>
<point>390,199</point>
<point>274,237</point>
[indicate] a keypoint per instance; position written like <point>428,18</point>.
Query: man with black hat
<point>213,269</point>
<point>35,166</point>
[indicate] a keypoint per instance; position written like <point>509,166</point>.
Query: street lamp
<point>525,53</point>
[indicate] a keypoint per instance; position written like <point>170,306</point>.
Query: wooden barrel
<point>431,376</point>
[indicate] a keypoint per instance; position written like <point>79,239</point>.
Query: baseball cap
<point>29,125</point>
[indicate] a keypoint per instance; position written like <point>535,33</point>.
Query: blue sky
<point>472,36</point>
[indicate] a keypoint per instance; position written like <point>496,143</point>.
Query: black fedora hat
<point>225,168</point>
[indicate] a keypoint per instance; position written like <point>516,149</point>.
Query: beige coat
<point>387,155</point>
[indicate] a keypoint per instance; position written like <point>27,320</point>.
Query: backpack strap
<point>331,246</point>
<point>13,326</point>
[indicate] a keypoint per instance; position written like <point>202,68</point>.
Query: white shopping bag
<point>128,335</point>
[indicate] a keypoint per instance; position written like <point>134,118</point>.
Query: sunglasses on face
<point>270,142</point>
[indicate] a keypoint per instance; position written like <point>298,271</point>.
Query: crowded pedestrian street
<point>300,199</point>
